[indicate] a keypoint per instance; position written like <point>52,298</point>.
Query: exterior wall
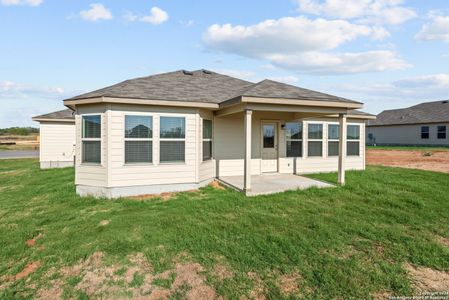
<point>406,135</point>
<point>229,159</point>
<point>57,147</point>
<point>113,178</point>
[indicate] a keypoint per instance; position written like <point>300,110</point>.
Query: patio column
<point>247,167</point>
<point>342,150</point>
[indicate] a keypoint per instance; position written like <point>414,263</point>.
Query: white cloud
<point>21,2</point>
<point>303,45</point>
<point>14,90</point>
<point>97,12</point>
<point>364,11</point>
<point>156,17</point>
<point>428,81</point>
<point>437,29</point>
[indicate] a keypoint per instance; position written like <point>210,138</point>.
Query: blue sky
<point>385,53</point>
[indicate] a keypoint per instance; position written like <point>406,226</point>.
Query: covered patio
<point>272,183</point>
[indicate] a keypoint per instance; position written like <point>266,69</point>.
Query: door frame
<point>277,139</point>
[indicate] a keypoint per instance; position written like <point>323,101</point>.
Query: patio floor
<point>273,183</point>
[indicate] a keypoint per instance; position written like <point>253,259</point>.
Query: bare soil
<point>427,279</point>
<point>437,161</point>
<point>30,268</point>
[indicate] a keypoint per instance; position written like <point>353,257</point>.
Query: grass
<point>409,148</point>
<point>348,242</point>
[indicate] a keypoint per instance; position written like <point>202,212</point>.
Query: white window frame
<point>207,140</point>
<point>295,140</point>
<point>125,139</point>
<point>359,140</point>
<point>83,139</point>
<point>333,140</point>
<point>172,139</point>
<point>315,140</point>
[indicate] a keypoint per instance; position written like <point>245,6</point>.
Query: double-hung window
<point>353,142</point>
<point>207,139</point>
<point>138,139</point>
<point>441,134</point>
<point>91,139</point>
<point>293,139</point>
<point>315,135</point>
<point>425,132</point>
<point>172,139</point>
<point>333,143</point>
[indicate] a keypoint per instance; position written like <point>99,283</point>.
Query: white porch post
<point>247,168</point>
<point>342,148</point>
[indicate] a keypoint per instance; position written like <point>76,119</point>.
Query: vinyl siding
<point>57,142</point>
<point>406,135</point>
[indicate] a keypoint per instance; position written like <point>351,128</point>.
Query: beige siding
<point>156,172</point>
<point>206,169</point>
<point>57,141</point>
<point>407,135</point>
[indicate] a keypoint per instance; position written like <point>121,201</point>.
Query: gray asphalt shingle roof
<point>60,114</point>
<point>428,112</point>
<point>203,86</point>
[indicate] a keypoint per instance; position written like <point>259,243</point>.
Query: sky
<point>385,53</point>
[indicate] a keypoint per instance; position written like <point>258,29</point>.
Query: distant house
<point>181,130</point>
<point>424,124</point>
<point>57,139</point>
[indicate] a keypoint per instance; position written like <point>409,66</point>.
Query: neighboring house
<point>423,124</point>
<point>57,139</point>
<point>180,130</point>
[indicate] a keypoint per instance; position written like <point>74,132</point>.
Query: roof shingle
<point>66,114</point>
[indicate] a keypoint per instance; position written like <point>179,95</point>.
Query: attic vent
<point>207,72</point>
<point>445,101</point>
<point>187,72</point>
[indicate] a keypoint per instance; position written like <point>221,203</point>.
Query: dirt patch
<point>104,222</point>
<point>222,272</point>
<point>216,185</point>
<point>382,295</point>
<point>288,283</point>
<point>32,242</point>
<point>258,291</point>
<point>30,268</point>
<point>427,279</point>
<point>443,241</point>
<point>438,161</point>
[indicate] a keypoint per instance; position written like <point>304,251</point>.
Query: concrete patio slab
<point>273,183</point>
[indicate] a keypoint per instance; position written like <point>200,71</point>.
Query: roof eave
<point>302,102</point>
<point>37,119</point>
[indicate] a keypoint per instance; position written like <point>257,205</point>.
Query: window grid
<point>441,132</point>
<point>138,148</point>
<point>333,139</point>
<point>315,140</point>
<point>169,142</point>
<point>207,139</point>
<point>353,140</point>
<point>291,140</point>
<point>91,139</point>
<point>425,132</point>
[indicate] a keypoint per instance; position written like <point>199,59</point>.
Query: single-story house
<point>180,130</point>
<point>424,124</point>
<point>57,139</point>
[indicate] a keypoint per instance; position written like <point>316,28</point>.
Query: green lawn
<point>409,148</point>
<point>350,242</point>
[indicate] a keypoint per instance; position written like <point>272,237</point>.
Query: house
<point>181,130</point>
<point>57,139</point>
<point>424,124</point>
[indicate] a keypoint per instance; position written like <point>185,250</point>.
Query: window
<point>425,132</point>
<point>91,139</point>
<point>441,134</point>
<point>293,138</point>
<point>172,139</point>
<point>353,142</point>
<point>315,145</point>
<point>138,139</point>
<point>333,144</point>
<point>207,140</point>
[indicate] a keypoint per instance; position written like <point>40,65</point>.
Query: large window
<point>293,138</point>
<point>138,139</point>
<point>425,132</point>
<point>333,135</point>
<point>353,142</point>
<point>172,139</point>
<point>315,145</point>
<point>207,140</point>
<point>441,134</point>
<point>91,139</point>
